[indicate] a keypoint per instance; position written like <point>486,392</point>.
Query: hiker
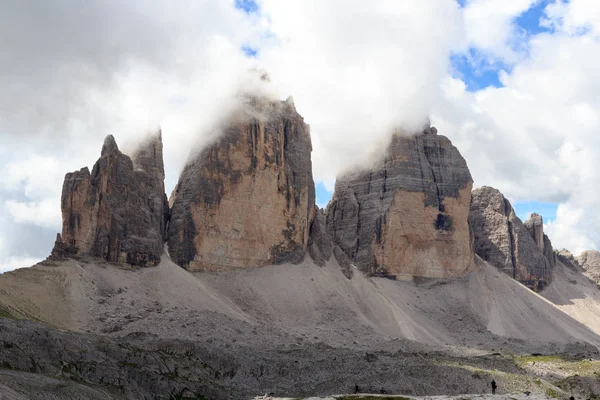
<point>356,389</point>
<point>494,386</point>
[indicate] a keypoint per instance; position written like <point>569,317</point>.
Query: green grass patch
<point>565,367</point>
<point>4,313</point>
<point>536,359</point>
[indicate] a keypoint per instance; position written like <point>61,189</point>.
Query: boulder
<point>248,199</point>
<point>116,212</point>
<point>590,261</point>
<point>408,214</point>
<point>504,241</point>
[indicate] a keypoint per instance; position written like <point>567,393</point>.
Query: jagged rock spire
<point>116,212</point>
<point>504,241</point>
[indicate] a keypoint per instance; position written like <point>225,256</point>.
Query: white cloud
<point>356,68</point>
<point>8,263</point>
<point>566,231</point>
<point>536,138</point>
<point>491,28</point>
<point>45,213</point>
<point>574,17</point>
<point>12,263</point>
<point>72,74</point>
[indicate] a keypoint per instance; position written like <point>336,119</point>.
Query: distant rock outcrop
<point>247,200</point>
<point>504,241</point>
<point>408,215</point>
<point>567,258</point>
<point>590,261</point>
<point>535,226</point>
<point>118,211</point>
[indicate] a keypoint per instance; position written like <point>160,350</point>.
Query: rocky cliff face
<point>150,173</point>
<point>248,199</point>
<point>505,242</point>
<point>567,258</point>
<point>118,211</point>
<point>535,226</point>
<point>590,261</point>
<point>408,215</point>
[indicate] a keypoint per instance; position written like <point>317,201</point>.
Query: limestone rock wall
<point>590,261</point>
<point>150,173</point>
<point>248,199</point>
<point>504,241</point>
<point>408,215</point>
<point>535,226</point>
<point>118,211</point>
<point>567,258</point>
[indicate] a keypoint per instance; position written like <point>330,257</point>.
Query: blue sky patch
<point>248,6</point>
<point>529,21</point>
<point>249,51</point>
<point>475,71</point>
<point>524,208</point>
<point>323,195</point>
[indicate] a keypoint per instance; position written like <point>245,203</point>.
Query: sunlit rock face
<point>519,250</point>
<point>117,212</point>
<point>590,261</point>
<point>408,214</point>
<point>248,199</point>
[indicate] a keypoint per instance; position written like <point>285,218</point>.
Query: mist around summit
<point>280,199</point>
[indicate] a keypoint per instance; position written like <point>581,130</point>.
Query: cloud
<point>45,213</point>
<point>12,263</point>
<point>492,29</point>
<point>536,138</point>
<point>72,73</point>
<point>574,17</point>
<point>357,69</point>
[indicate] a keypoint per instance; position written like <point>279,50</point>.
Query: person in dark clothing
<point>356,388</point>
<point>494,387</point>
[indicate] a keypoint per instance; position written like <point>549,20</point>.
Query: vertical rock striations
<point>590,261</point>
<point>150,173</point>
<point>505,242</point>
<point>248,199</point>
<point>116,212</point>
<point>535,226</point>
<point>408,215</point>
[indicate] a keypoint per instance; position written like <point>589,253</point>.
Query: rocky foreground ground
<point>164,333</point>
<point>40,363</point>
<point>511,396</point>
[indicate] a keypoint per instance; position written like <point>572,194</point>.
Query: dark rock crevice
<point>511,238</point>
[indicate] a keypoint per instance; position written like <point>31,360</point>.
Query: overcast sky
<point>513,83</point>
